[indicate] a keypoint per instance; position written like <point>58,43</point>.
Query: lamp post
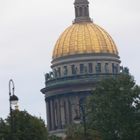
<point>13,100</point>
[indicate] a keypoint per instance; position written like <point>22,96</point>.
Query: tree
<point>3,129</point>
<point>113,109</point>
<point>26,127</point>
<point>74,132</point>
<point>53,137</point>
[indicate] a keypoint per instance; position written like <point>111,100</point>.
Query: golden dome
<point>84,38</point>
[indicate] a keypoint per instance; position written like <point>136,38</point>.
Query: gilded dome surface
<point>84,38</point>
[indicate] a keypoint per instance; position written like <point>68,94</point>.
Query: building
<point>84,54</point>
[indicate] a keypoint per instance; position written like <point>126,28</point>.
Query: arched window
<point>98,68</point>
<point>106,68</point>
<point>73,69</point>
<point>90,67</point>
<point>117,68</point>
<point>81,68</point>
<point>59,72</point>
<point>114,68</point>
<point>65,70</point>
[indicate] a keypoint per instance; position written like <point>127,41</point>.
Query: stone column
<point>62,113</point>
<point>67,111</point>
<point>70,110</point>
<point>77,106</point>
<point>59,113</point>
<point>52,115</point>
<point>55,113</point>
<point>83,11</point>
<point>72,100</point>
<point>48,115</point>
<point>78,9</point>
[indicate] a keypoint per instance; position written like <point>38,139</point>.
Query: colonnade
<point>82,11</point>
<point>61,111</point>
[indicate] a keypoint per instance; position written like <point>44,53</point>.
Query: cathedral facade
<point>83,55</point>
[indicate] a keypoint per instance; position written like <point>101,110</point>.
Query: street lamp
<point>13,100</point>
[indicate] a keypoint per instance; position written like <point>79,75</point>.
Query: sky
<point>29,30</point>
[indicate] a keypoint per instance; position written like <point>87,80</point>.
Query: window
<point>59,72</point>
<point>90,68</point>
<point>98,67</point>
<point>106,68</point>
<point>73,69</point>
<point>117,69</point>
<point>114,68</point>
<point>81,68</point>
<point>65,70</point>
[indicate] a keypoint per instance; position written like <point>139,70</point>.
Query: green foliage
<point>113,109</point>
<point>26,127</point>
<point>3,129</point>
<point>54,138</point>
<point>112,112</point>
<point>75,132</point>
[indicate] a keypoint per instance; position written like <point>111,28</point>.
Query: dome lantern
<point>81,11</point>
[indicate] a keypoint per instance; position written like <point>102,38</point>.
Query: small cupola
<point>82,11</point>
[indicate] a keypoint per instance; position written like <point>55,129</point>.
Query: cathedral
<point>83,55</point>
